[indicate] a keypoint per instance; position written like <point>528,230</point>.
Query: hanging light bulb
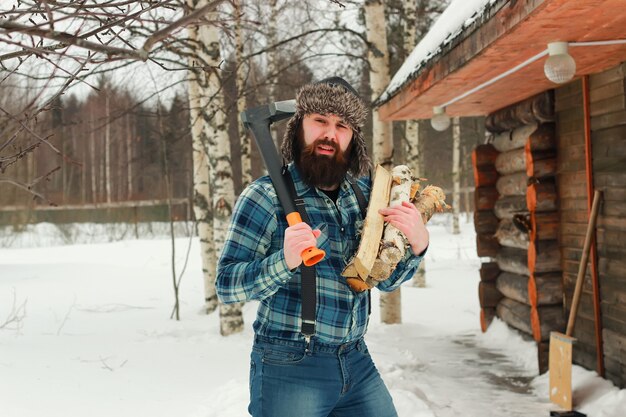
<point>560,67</point>
<point>440,120</point>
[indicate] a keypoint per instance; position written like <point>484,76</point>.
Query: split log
<point>508,234</point>
<point>545,225</point>
<point>394,242</point>
<point>486,317</point>
<point>511,161</point>
<point>367,268</point>
<point>485,176</point>
<point>536,109</point>
<point>373,226</point>
<point>489,271</point>
<point>513,260</point>
<point>485,198</point>
<point>507,207</point>
<point>488,294</point>
<point>544,256</point>
<point>545,289</point>
<point>514,286</point>
<point>537,322</point>
<point>541,196</point>
<point>485,221</point>
<point>487,245</point>
<point>484,155</point>
<point>513,184</point>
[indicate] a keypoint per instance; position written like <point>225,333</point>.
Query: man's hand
<point>298,238</point>
<point>408,220</point>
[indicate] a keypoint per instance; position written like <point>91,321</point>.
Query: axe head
<point>268,113</point>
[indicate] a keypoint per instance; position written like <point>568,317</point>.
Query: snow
<point>458,15</point>
<point>97,339</point>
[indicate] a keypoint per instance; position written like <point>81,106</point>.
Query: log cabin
<point>549,147</point>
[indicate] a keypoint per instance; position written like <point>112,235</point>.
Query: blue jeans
<point>289,380</point>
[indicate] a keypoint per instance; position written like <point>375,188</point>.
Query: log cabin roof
<point>509,34</point>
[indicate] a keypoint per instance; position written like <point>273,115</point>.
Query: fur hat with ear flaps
<point>331,96</point>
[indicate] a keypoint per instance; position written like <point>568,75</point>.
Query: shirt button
<point>342,229</point>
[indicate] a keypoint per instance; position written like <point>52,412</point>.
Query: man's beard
<point>325,171</point>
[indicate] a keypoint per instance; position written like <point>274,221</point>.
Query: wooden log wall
<point>523,199</point>
<point>607,95</point>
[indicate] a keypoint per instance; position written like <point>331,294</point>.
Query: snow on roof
<point>459,15</point>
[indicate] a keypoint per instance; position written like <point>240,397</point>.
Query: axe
<point>258,120</point>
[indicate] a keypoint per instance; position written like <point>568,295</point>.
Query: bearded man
<point>316,366</point>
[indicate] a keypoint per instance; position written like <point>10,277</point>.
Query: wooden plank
<point>609,105</point>
<point>612,89</point>
<point>610,179</point>
<point>606,141</point>
<point>608,120</point>
<point>606,77</point>
<point>373,226</point>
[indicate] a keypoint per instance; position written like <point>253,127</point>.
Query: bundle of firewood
<point>382,245</point>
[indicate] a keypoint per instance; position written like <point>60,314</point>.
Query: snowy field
<point>96,339</point>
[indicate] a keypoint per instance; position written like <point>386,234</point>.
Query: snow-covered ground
<point>97,340</point>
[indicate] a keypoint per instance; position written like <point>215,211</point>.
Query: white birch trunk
<point>390,307</point>
<point>244,139</point>
<point>411,128</point>
<point>379,79</point>
<point>202,205</point>
<point>272,61</point>
<point>456,174</point>
<point>221,177</point>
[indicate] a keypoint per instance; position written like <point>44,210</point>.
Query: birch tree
<point>411,127</point>
<point>244,139</point>
<point>217,147</point>
<point>378,56</point>
<point>198,99</point>
<point>456,174</point>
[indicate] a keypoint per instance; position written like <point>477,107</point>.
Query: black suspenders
<point>308,282</point>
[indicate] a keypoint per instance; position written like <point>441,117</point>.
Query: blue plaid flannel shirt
<point>252,264</point>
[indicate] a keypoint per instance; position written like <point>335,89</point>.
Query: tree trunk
<point>381,131</point>
<point>456,175</point>
<point>378,57</point>
<point>244,139</point>
<point>198,96</point>
<point>93,167</point>
<point>231,319</point>
<point>411,127</point>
